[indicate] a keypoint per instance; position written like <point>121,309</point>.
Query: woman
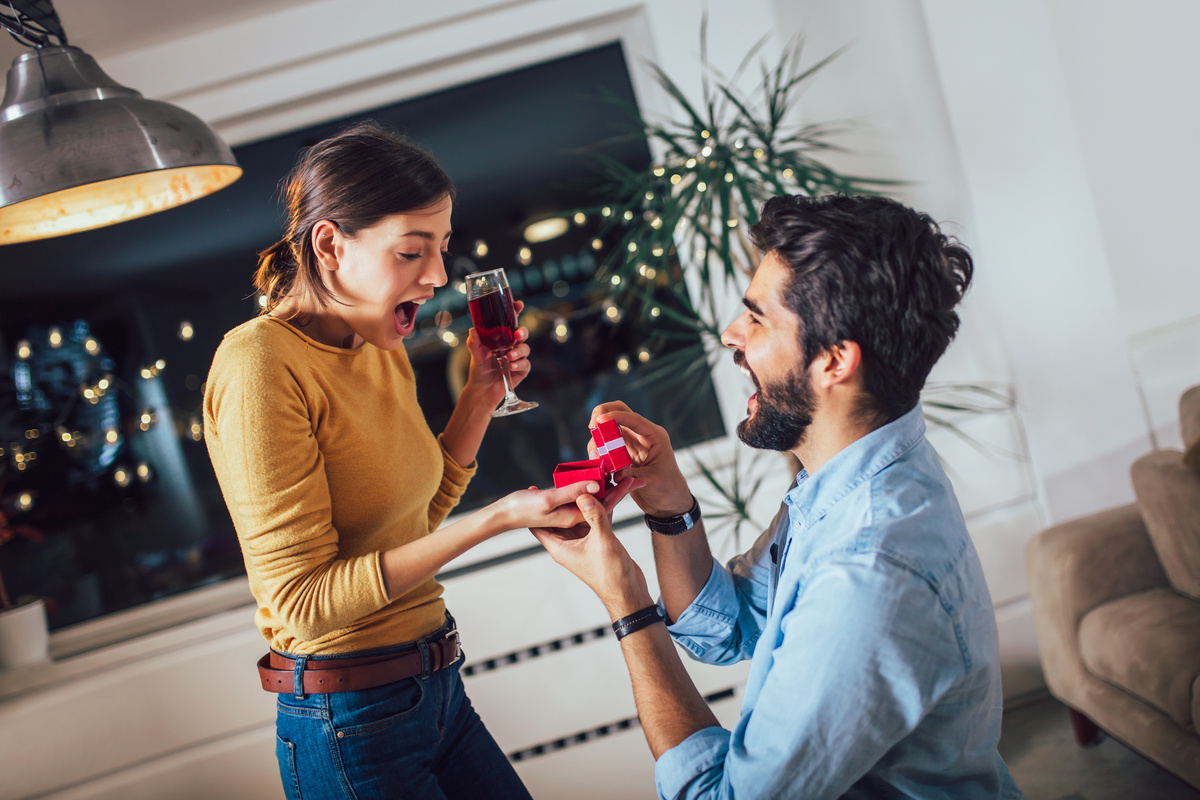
<point>335,482</point>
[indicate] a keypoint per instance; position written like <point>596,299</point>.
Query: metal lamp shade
<point>80,151</point>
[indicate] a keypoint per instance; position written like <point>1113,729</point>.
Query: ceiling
<point>110,27</point>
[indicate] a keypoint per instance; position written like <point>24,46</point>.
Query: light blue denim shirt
<point>874,669</point>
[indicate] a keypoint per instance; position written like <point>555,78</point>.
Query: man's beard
<point>783,414</point>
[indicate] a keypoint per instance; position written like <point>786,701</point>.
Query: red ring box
<point>611,446</point>
<point>576,471</point>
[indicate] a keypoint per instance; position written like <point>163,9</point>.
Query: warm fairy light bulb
<point>616,280</point>
<point>24,351</point>
<point>649,195</point>
<point>651,273</point>
<point>659,172</point>
<point>654,312</point>
<point>32,433</point>
<point>633,247</point>
<point>481,248</point>
<point>146,419</point>
<point>597,244</point>
<point>580,218</point>
<point>196,430</point>
<point>729,177</point>
<point>628,215</point>
<point>643,355</point>
<point>733,223</point>
<point>690,163</point>
<point>676,178</point>
<point>606,212</point>
<point>656,223</point>
<point>111,436</point>
<point>91,345</point>
<point>656,252</point>
<point>612,314</point>
<point>759,153</point>
<point>121,477</point>
<point>24,501</point>
<point>787,173</point>
<point>262,301</point>
<point>450,338</point>
<point>65,436</point>
<point>705,134</point>
<point>186,331</point>
<point>562,331</point>
<point>738,144</point>
<point>56,338</point>
<point>460,287</point>
<point>143,472</point>
<point>104,383</point>
<point>525,255</point>
<point>706,152</point>
<point>701,186</point>
<point>443,319</point>
<point>623,365</point>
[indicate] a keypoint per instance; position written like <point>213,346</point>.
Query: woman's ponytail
<point>276,273</point>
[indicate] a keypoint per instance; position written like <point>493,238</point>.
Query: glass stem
<point>509,395</point>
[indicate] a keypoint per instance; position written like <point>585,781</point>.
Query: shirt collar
<point>813,495</point>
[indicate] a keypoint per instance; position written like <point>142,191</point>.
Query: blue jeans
<point>418,737</point>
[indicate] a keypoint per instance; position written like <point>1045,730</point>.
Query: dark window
<point>519,146</point>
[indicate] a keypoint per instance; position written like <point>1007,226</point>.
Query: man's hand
<point>598,558</point>
<point>665,493</point>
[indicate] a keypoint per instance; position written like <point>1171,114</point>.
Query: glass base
<point>508,409</point>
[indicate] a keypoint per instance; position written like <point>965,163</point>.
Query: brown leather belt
<point>319,676</point>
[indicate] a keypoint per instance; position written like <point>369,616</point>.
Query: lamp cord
<point>33,23</point>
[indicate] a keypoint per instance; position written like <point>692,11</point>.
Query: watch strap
<point>638,620</point>
<point>673,526</point>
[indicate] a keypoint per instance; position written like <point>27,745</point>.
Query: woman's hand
<point>663,491</point>
<point>484,374</point>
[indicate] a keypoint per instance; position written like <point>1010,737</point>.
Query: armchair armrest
<point>1076,566</point>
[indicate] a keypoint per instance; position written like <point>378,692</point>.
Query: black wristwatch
<point>673,526</point>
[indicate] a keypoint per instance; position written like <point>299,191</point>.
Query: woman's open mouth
<point>406,316</point>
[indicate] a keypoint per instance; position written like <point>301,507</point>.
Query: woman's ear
<point>325,236</point>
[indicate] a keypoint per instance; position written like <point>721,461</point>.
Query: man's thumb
<point>593,511</point>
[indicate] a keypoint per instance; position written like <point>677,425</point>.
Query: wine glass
<point>495,318</point>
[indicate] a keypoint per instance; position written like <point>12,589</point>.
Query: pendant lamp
<point>80,151</point>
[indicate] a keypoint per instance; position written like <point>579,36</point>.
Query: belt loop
<point>423,647</point>
<point>298,677</point>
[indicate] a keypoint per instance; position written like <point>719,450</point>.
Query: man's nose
<point>732,336</point>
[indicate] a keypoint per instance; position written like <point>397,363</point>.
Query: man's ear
<point>838,364</point>
<point>325,235</point>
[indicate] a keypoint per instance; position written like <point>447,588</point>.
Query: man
<point>863,606</point>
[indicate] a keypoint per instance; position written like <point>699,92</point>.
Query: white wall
<point>1068,172</point>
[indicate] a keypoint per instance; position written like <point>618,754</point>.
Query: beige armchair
<point>1116,606</point>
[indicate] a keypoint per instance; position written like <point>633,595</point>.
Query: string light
<point>443,319</point>
<point>701,186</point>
<point>121,477</point>
<point>738,144</point>
<point>24,351</point>
<point>628,215</point>
<point>580,218</point>
<point>562,331</point>
<point>612,314</point>
<point>597,244</point>
<point>111,436</point>
<point>56,339</point>
<point>654,312</point>
<point>32,433</point>
<point>186,331</point>
<point>525,255</point>
<point>623,365</point>
<point>606,212</point>
<point>729,177</point>
<point>24,501</point>
<point>759,153</point>
<point>690,163</point>
<point>706,152</point>
<point>143,472</point>
<point>633,247</point>
<point>481,248</point>
<point>147,419</point>
<point>676,178</point>
<point>91,345</point>
<point>616,280</point>
<point>643,355</point>
<point>195,429</point>
<point>656,252</point>
<point>450,338</point>
<point>152,371</point>
<point>705,134</point>
<point>659,172</point>
<point>787,173</point>
<point>649,195</point>
<point>460,287</point>
<point>733,223</point>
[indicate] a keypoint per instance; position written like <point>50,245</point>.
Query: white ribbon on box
<point>606,448</point>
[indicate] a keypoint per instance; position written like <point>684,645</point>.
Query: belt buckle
<point>457,645</point>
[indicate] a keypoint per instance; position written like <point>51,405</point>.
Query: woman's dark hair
<point>870,270</point>
<point>353,179</point>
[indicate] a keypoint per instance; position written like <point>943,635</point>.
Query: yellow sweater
<point>325,459</point>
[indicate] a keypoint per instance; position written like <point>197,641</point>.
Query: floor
<point>1039,748</point>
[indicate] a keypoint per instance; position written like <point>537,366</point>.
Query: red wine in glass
<point>495,318</point>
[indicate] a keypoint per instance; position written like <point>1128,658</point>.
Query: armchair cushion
<point>1168,496</point>
<point>1149,645</point>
